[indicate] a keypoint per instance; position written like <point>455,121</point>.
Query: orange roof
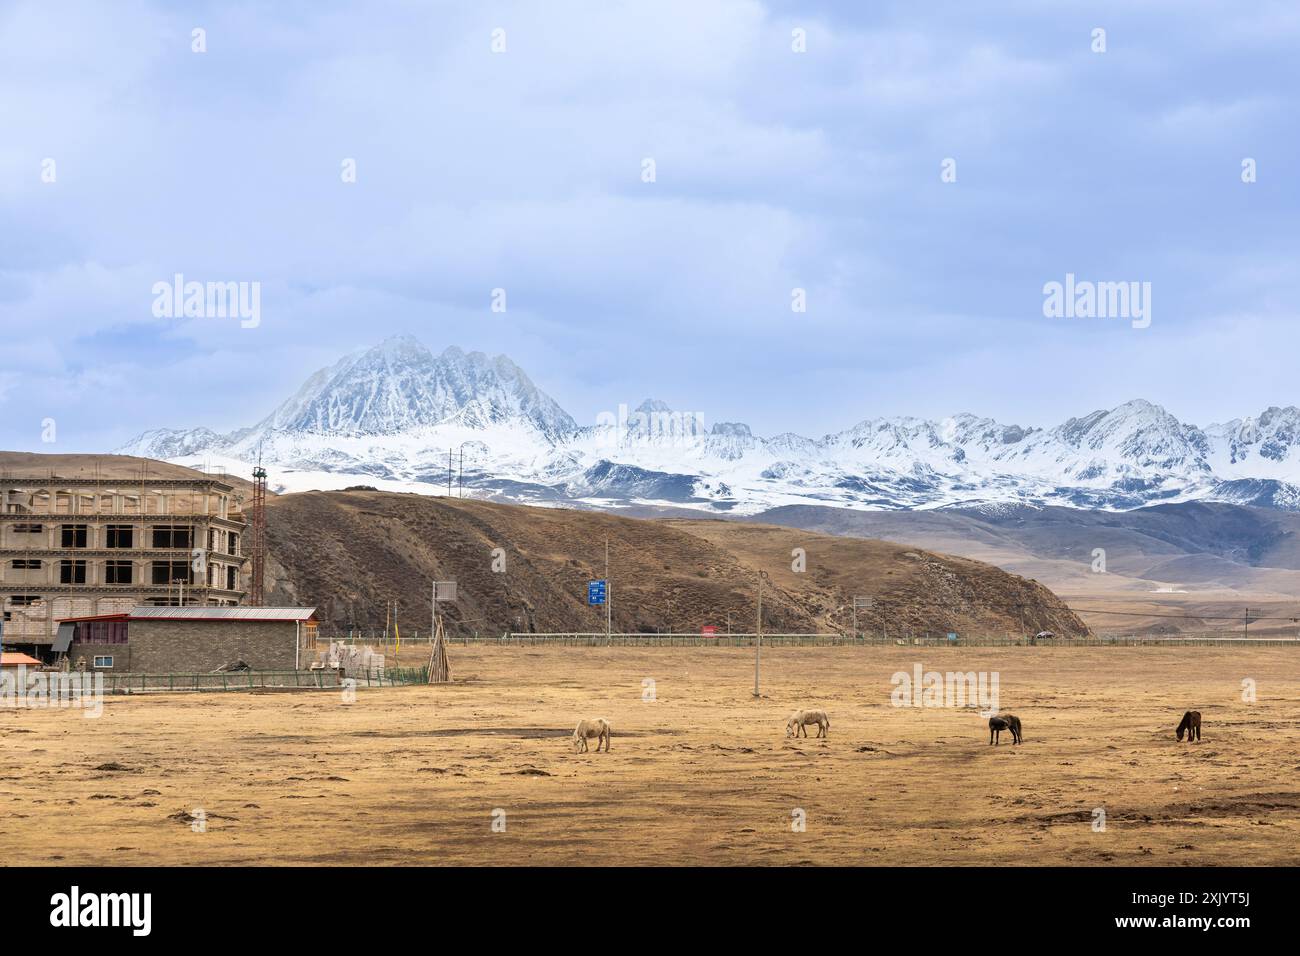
<point>14,659</point>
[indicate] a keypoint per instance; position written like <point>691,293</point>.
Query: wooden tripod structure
<point>439,671</point>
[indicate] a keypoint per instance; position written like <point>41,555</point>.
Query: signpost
<point>864,602</point>
<point>442,591</point>
<point>708,630</point>
<point>598,593</point>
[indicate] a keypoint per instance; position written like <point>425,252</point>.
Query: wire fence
<point>599,639</point>
<point>321,679</point>
<point>331,679</point>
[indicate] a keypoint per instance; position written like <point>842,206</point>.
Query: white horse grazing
<point>587,728</point>
<point>800,719</point>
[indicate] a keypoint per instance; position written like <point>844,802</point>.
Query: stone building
<point>192,640</point>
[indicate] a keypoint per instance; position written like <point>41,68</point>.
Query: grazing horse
<point>1192,725</point>
<point>1008,722</point>
<point>800,720</point>
<point>587,728</point>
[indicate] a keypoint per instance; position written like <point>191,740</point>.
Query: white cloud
<point>521,170</point>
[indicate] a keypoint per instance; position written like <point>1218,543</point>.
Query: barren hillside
<point>348,552</point>
<point>1191,567</point>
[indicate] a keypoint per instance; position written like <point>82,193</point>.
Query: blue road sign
<point>595,592</point>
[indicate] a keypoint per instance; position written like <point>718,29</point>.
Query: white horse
<point>800,719</point>
<point>587,728</point>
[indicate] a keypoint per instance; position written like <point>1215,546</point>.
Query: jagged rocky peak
<point>1272,436</point>
<point>1140,432</point>
<point>656,419</point>
<point>734,429</point>
<point>399,386</point>
<point>173,442</point>
<point>965,428</point>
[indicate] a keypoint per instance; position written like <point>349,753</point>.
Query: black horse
<point>1191,725</point>
<point>1008,722</point>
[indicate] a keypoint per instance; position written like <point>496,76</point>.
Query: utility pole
<point>758,632</point>
<point>448,472</point>
<point>1247,634</point>
<point>609,590</point>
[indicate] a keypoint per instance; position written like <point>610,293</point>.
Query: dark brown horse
<point>1191,725</point>
<point>1008,722</point>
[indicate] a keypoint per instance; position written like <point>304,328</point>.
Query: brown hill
<point>1191,567</point>
<point>348,552</point>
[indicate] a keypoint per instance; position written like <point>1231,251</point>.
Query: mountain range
<point>387,417</point>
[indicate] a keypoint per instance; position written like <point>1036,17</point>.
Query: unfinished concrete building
<point>82,547</point>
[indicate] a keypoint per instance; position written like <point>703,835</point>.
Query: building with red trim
<point>190,640</point>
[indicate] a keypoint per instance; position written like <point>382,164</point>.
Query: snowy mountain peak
<point>735,429</point>
<point>656,420</point>
<point>391,412</point>
<point>399,386</point>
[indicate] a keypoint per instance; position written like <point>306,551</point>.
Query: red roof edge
<point>17,659</point>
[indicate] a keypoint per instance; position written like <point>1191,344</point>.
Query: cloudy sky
<point>774,170</point>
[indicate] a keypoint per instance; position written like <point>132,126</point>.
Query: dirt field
<point>700,775</point>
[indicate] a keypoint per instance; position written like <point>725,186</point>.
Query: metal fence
<point>596,639</point>
<point>260,680</point>
<point>1096,640</point>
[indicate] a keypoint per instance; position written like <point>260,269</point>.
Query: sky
<point>795,146</point>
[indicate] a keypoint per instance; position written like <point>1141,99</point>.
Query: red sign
<point>708,631</point>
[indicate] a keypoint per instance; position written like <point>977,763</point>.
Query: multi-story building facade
<point>81,547</point>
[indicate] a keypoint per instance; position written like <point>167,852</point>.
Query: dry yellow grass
<point>701,775</point>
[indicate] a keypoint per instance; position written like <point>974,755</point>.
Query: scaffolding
<point>257,590</point>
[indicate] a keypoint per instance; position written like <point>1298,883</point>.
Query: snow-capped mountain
<point>398,416</point>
